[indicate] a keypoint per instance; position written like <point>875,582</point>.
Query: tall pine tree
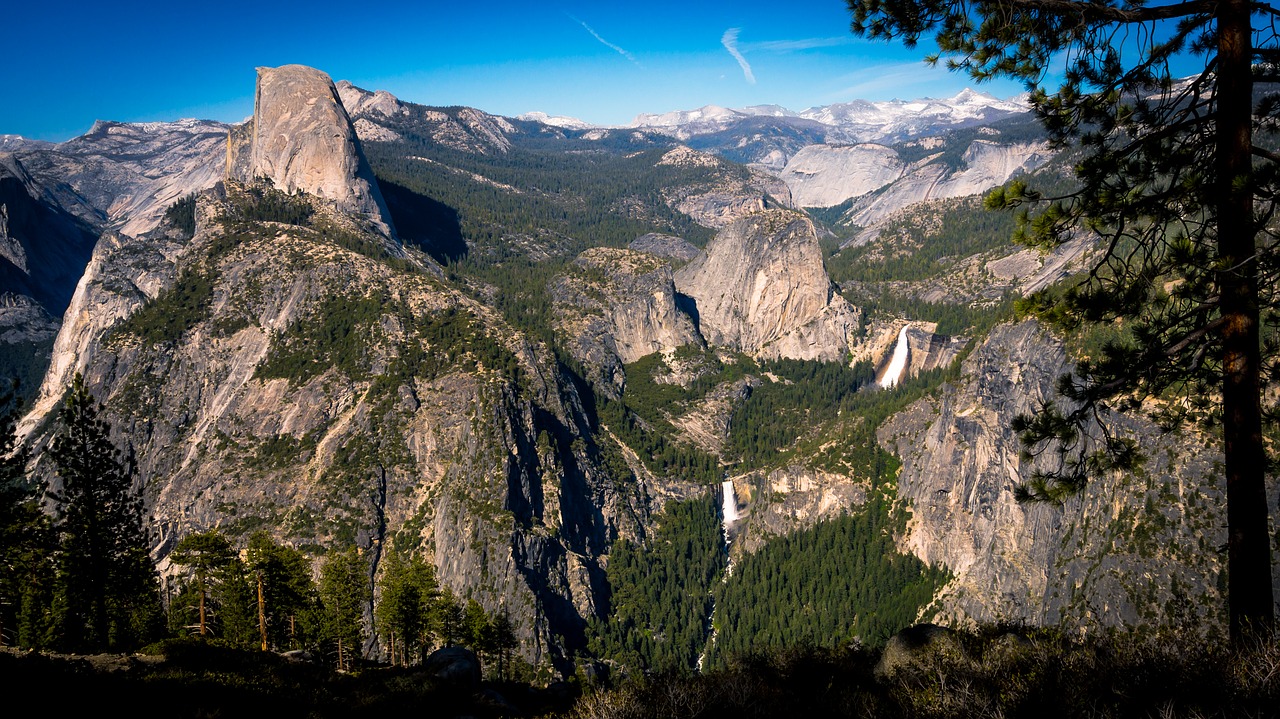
<point>107,594</point>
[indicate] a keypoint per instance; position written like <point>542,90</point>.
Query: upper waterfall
<point>898,364</point>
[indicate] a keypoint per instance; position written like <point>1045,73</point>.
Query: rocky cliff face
<point>826,175</point>
<point>613,307</point>
<point>984,165</point>
<point>790,499</point>
<point>332,398</point>
<point>761,289</point>
<point>1132,549</point>
<point>43,248</point>
<point>122,176</point>
<point>57,199</point>
<point>728,196</point>
<point>303,140</point>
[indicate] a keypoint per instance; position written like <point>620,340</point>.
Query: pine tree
<point>503,640</point>
<point>107,594</point>
<point>208,554</point>
<point>290,609</point>
<point>447,618</point>
<point>344,594</point>
<point>1173,179</point>
<point>26,544</point>
<point>407,593</point>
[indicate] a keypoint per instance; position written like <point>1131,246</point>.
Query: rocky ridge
<point>761,289</point>
<point>613,307</point>
<point>301,139</point>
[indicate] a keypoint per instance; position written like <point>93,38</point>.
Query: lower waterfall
<point>729,512</point>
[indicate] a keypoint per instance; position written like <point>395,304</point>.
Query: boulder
<point>917,646</point>
<point>454,665</point>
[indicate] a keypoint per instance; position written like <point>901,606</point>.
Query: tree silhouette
<point>107,591</point>
<point>1181,191</point>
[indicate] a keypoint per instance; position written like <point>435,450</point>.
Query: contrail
<point>730,42</point>
<point>606,43</point>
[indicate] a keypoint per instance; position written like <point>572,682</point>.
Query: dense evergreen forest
<point>660,593</point>
<point>839,581</point>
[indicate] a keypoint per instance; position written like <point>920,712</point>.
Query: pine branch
<point>1094,12</point>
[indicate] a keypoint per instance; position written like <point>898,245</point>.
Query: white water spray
<point>730,506</point>
<point>898,363</point>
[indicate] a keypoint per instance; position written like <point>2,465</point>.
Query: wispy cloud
<point>886,77</point>
<point>606,43</point>
<point>808,43</point>
<point>730,42</point>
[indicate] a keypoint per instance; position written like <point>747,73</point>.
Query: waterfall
<point>730,503</point>
<point>898,364</point>
<point>729,508</point>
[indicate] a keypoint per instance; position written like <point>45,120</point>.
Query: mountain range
<point>514,346</point>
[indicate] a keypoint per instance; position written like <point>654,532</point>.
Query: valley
<point>582,371</point>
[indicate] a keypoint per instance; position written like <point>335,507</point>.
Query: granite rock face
<point>983,166</point>
<point>123,176</point>
<point>43,248</point>
<point>474,454</point>
<point>826,175</point>
<point>615,306</point>
<point>727,196</point>
<point>57,199</point>
<point>302,139</point>
<point>791,499</point>
<point>761,288</point>
<point>1130,550</point>
<point>925,349</point>
<point>674,248</point>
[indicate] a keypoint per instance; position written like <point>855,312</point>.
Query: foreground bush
<point>991,673</point>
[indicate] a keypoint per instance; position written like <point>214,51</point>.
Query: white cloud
<point>808,43</point>
<point>730,42</point>
<point>606,43</point>
<point>889,77</point>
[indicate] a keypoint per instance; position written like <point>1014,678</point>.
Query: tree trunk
<point>1249,600</point>
<point>202,609</point>
<point>262,614</point>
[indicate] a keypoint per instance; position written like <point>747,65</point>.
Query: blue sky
<point>69,64</point>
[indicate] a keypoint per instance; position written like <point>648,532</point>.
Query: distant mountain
<point>868,121</point>
<point>571,123</point>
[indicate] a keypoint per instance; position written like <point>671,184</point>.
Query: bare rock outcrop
<point>984,165</point>
<point>302,139</point>
<point>724,194</point>
<point>761,288</point>
<point>826,175</point>
<point>123,176</point>
<point>790,499</point>
<point>675,248</point>
<point>615,306</point>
